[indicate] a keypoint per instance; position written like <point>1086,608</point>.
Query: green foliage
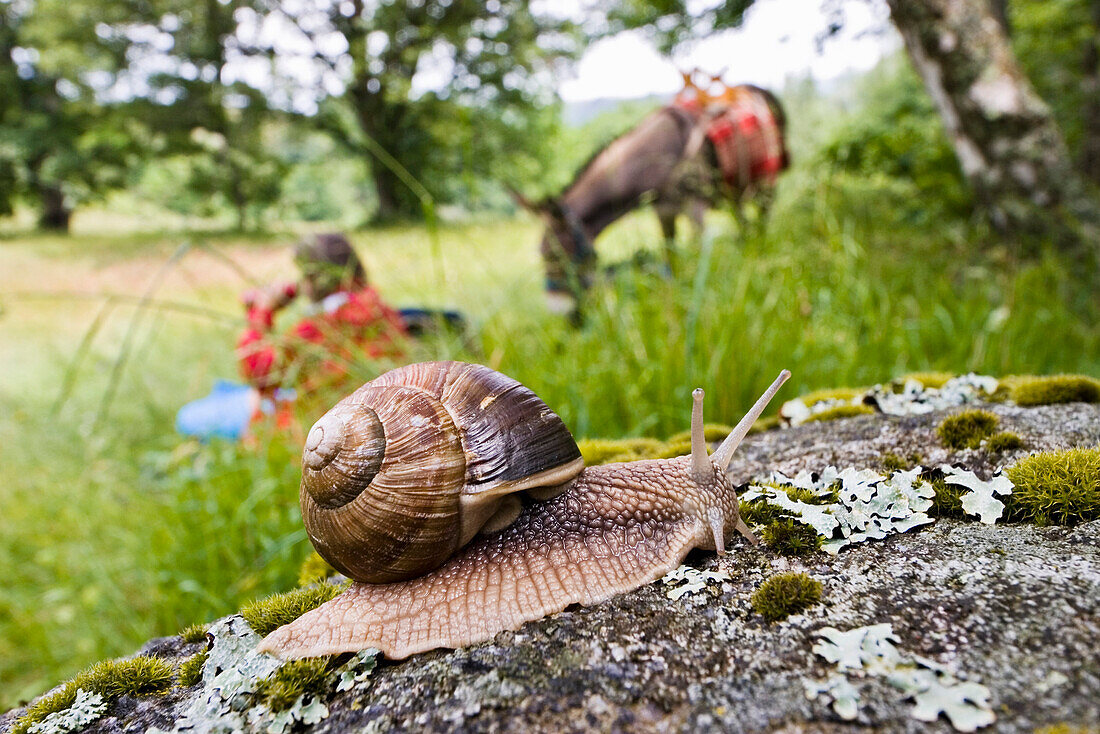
<point>1054,389</point>
<point>788,537</point>
<point>899,136</point>
<point>189,671</point>
<point>785,594</point>
<point>1003,441</point>
<point>1055,487</point>
<point>139,676</point>
<point>712,433</point>
<point>967,429</point>
<point>295,678</point>
<point>840,411</point>
<point>268,614</point>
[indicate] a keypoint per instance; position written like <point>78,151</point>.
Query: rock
<point>1013,607</point>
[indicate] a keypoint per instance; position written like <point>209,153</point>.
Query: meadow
<point>115,529</point>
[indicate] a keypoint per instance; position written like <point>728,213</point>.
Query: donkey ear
<point>547,209</point>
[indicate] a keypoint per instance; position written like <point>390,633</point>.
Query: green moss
<point>1055,487</point>
<point>1003,441</point>
<point>605,451</point>
<point>785,594</point>
<point>789,537</point>
<point>267,615</point>
<point>712,432</point>
<point>1054,389</point>
<point>840,411</point>
<point>194,633</point>
<point>140,676</point>
<point>947,501</point>
<point>314,570</point>
<point>966,430</point>
<point>282,688</point>
<point>43,707</point>
<point>930,380</point>
<point>759,512</point>
<point>892,462</point>
<point>767,423</point>
<point>835,393</point>
<point>189,671</point>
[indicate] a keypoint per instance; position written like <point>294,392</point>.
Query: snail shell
<point>407,469</point>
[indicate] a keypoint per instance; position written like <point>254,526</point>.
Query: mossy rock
<point>789,537</point>
<point>930,380</point>
<point>137,676</point>
<point>840,411</point>
<point>189,671</point>
<point>1054,389</point>
<point>1004,441</point>
<point>834,393</point>
<point>282,688</point>
<point>967,429</point>
<point>785,594</point>
<point>1055,487</point>
<point>269,614</point>
<point>606,451</point>
<point>712,433</point>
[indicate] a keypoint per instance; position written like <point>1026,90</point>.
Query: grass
<point>115,530</point>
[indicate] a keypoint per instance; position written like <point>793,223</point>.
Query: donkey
<point>685,155</point>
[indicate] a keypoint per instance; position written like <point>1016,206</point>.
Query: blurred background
<point>160,158</point>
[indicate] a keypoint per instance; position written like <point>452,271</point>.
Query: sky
<point>778,40</point>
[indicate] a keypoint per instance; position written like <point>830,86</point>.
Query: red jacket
<point>348,326</point>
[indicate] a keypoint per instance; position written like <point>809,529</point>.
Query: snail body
<point>592,532</point>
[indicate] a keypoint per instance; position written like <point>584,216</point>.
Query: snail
<point>412,486</point>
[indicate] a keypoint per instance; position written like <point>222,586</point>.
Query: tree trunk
<point>55,212</point>
<point>385,187</point>
<point>1090,83</point>
<point>1007,142</point>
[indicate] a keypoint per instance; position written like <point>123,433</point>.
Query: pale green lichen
<point>934,690</point>
<point>688,580</point>
<point>929,380</point>
<point>785,594</point>
<point>1056,487</point>
<point>267,615</point>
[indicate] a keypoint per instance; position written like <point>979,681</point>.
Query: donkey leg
<point>666,213</point>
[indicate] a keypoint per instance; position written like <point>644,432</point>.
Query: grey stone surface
<point>1014,607</point>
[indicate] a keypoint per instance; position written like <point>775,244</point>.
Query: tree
<point>58,146</point>
<point>181,61</point>
<point>437,92</point>
<point>1005,137</point>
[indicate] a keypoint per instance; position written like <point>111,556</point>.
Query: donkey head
<point>566,249</point>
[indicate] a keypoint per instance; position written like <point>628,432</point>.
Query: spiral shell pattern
<point>389,471</point>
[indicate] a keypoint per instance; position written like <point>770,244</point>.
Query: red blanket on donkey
<point>746,137</point>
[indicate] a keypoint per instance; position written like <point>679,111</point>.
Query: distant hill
<point>576,114</point>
